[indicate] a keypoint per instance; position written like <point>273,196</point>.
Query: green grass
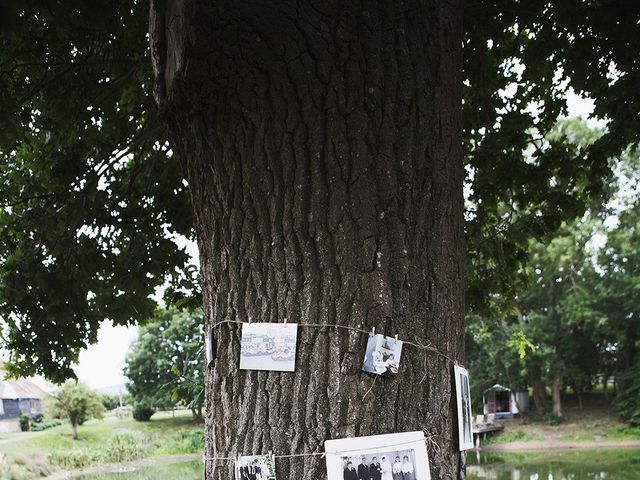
<point>112,440</point>
<point>517,435</point>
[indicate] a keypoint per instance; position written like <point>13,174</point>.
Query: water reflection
<point>570,465</point>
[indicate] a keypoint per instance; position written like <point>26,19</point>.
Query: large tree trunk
<point>322,145</point>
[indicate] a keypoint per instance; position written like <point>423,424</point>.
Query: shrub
<point>110,401</point>
<point>71,459</point>
<point>37,427</point>
<point>191,441</point>
<point>142,412</point>
<point>37,418</point>
<point>125,447</point>
<point>24,422</point>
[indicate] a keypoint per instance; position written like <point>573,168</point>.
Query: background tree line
<point>574,323</point>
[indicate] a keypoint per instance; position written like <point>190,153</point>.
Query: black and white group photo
<point>465,427</point>
<point>256,467</point>
<point>382,355</point>
<point>268,346</point>
<point>398,456</point>
<point>394,465</point>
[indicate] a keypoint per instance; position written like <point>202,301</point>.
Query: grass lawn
<point>111,440</point>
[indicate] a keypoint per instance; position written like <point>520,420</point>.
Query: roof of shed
<point>16,388</point>
<point>498,388</point>
<point>20,388</point>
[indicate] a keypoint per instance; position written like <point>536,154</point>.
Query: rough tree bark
<point>321,142</point>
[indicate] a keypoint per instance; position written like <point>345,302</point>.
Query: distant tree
<point>77,403</point>
<point>164,365</point>
<point>109,402</point>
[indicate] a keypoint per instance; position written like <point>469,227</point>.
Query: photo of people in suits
<point>382,355</point>
<point>384,466</point>
<point>465,427</point>
<point>394,456</point>
<point>256,467</point>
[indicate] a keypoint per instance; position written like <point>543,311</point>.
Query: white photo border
<point>459,373</point>
<point>335,450</point>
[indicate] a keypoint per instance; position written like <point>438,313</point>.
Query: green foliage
<point>37,427</point>
<point>89,195</point>
<point>71,459</point>
<point>191,441</point>
<point>109,402</point>
<point>627,402</point>
<point>142,411</point>
<point>91,199</point>
<point>125,447</point>
<point>164,365</point>
<point>24,422</point>
<point>517,435</point>
<point>521,343</point>
<point>77,403</point>
<point>576,320</point>
<point>525,183</point>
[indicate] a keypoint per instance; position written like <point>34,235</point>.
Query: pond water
<point>182,471</point>
<point>567,465</point>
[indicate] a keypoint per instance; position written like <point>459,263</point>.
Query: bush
<point>125,447</point>
<point>37,427</point>
<point>24,422</point>
<point>191,441</point>
<point>627,402</point>
<point>37,418</point>
<point>110,401</point>
<point>142,412</point>
<point>71,459</point>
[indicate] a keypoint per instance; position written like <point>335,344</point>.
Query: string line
<point>417,344</point>
<point>428,440</point>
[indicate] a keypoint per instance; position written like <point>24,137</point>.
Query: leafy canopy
<point>91,199</point>
<point>164,365</point>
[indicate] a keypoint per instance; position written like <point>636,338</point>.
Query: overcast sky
<point>101,364</point>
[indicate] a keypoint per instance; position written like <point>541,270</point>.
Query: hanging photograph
<point>379,457</point>
<point>268,346</point>
<point>256,467</point>
<point>382,355</point>
<point>210,346</point>
<point>465,427</point>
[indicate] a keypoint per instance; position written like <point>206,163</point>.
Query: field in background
<point>112,440</point>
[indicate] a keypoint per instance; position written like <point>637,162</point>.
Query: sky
<point>101,364</point>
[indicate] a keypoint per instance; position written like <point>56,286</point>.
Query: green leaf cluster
<point>165,364</point>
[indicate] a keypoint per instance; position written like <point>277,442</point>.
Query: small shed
<point>502,402</point>
<point>17,396</point>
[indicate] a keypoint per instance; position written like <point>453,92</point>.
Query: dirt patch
<point>556,444</point>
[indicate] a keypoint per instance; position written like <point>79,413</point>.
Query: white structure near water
<point>502,402</point>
